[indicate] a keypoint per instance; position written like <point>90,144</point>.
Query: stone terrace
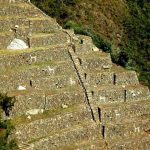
<point>69,94</point>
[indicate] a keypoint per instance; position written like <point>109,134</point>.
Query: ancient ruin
<point>69,94</point>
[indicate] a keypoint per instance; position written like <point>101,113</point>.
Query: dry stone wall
<point>38,56</point>
<point>68,92</point>
<point>46,126</point>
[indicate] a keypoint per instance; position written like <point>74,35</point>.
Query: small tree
<point>6,103</point>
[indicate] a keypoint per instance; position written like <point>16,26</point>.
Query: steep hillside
<point>119,26</point>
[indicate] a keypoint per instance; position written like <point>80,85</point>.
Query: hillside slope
<point>119,26</point>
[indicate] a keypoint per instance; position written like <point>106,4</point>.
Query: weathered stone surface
<point>17,44</point>
<point>118,112</point>
<point>46,126</point>
<point>127,128</point>
<point>63,71</point>
<point>57,53</point>
<point>67,137</point>
<point>114,94</point>
<point>48,39</point>
<point>112,78</point>
<point>96,63</point>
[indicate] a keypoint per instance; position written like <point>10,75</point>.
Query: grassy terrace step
<point>43,69</point>
<point>120,111</point>
<point>39,100</point>
<point>34,25</point>
<point>19,9</point>
<point>87,145</point>
<point>95,61</point>
<point>14,59</point>
<point>85,131</point>
<point>51,122</point>
<point>111,77</point>
<point>126,128</point>
<point>140,142</point>
<point>45,39</point>
<point>113,94</point>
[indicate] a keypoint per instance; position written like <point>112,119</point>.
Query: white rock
<point>95,49</point>
<point>16,26</point>
<point>34,111</point>
<point>21,88</point>
<point>17,44</point>
<point>29,117</point>
<point>64,106</point>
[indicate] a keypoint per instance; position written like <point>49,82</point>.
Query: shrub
<point>6,103</point>
<point>97,39</point>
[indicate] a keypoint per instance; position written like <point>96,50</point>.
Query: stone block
<point>107,94</point>
<point>15,60</point>
<point>27,101</point>
<point>126,128</point>
<point>96,61</point>
<point>111,78</point>
<point>139,143</point>
<point>45,126</point>
<point>19,9</point>
<point>68,137</point>
<point>137,93</point>
<point>56,82</point>
<point>67,98</point>
<point>121,111</point>
<point>56,38</point>
<point>30,75</point>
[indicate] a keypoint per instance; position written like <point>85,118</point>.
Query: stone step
<point>29,101</point>
<point>26,26</point>
<point>120,111</point>
<point>85,131</point>
<point>95,61</point>
<point>33,76</point>
<point>42,39</point>
<point>45,83</point>
<point>140,142</point>
<point>19,9</point>
<point>50,122</point>
<point>111,77</point>
<point>34,39</point>
<point>45,69</point>
<point>83,45</point>
<point>87,145</point>
<point>127,128</point>
<point>16,58</point>
<point>113,94</point>
<point>55,82</point>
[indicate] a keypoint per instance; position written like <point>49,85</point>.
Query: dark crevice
<point>125,95</point>
<point>87,101</point>
<point>99,114</point>
<point>31,83</point>
<point>114,79</point>
<point>103,132</point>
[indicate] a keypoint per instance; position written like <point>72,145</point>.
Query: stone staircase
<point>69,94</point>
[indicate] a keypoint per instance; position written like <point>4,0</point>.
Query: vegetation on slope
<point>6,127</point>
<point>121,27</point>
